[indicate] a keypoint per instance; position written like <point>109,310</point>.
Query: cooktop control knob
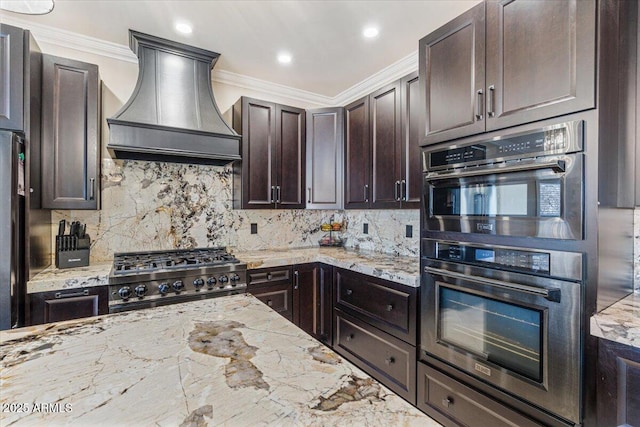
<point>178,285</point>
<point>223,279</point>
<point>124,292</point>
<point>198,283</point>
<point>163,288</point>
<point>210,282</point>
<point>234,277</point>
<point>140,290</point>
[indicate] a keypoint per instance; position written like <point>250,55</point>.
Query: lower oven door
<point>518,332</point>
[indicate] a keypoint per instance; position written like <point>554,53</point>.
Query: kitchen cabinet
<point>618,390</point>
<point>271,173</point>
<point>274,287</point>
<point>375,328</point>
<point>312,303</point>
<point>453,403</point>
<point>501,64</point>
<point>383,168</point>
<point>325,164</point>
<point>12,78</point>
<point>70,134</point>
<point>357,155</point>
<point>57,306</point>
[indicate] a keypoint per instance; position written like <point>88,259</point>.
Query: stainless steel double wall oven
<point>504,313</point>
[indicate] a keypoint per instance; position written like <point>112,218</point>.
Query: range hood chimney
<point>172,115</point>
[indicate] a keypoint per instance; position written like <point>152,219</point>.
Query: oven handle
<point>556,166</point>
<point>552,295</point>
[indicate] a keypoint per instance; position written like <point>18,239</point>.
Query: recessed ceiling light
<point>370,32</point>
<point>184,28</point>
<point>284,58</point>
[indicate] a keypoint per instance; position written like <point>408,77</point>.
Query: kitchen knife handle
<point>92,188</point>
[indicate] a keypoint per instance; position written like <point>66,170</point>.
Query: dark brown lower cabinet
<point>452,403</point>
<point>57,306</point>
<point>274,287</point>
<point>618,390</point>
<point>312,306</point>
<point>386,358</point>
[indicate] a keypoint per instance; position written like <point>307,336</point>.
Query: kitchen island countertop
<point>404,270</point>
<point>221,361</point>
<point>620,322</point>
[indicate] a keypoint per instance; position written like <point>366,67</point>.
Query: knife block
<point>72,251</point>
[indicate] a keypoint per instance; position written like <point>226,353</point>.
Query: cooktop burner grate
<point>145,262</point>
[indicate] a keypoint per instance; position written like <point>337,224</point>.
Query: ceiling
<point>330,55</point>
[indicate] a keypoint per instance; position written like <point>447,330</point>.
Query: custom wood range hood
<point>172,115</point>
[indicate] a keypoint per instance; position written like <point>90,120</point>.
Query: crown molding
<point>68,39</point>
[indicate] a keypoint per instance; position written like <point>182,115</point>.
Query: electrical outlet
<point>365,228</point>
<point>409,231</point>
<point>254,228</point>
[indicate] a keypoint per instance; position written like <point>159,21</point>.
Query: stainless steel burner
<point>147,279</point>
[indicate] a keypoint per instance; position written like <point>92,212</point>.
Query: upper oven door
<point>518,332</point>
<point>540,197</point>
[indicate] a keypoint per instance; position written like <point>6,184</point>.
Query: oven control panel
<point>522,260</point>
<point>557,139</point>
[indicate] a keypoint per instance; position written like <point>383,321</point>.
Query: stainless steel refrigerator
<point>12,230</point>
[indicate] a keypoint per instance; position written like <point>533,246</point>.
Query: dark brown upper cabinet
<point>325,164</point>
<point>70,134</point>
<point>272,171</point>
<point>357,155</point>
<point>383,169</point>
<point>12,78</point>
<point>504,63</point>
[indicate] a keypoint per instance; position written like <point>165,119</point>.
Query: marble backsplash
<point>153,206</point>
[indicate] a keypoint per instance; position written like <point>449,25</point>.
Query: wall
<point>153,206</point>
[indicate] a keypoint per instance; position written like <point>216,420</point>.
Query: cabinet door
<point>385,123</point>
<point>618,384</point>
<point>277,296</point>
<point>256,121</point>
<point>411,154</point>
<point>357,155</point>
<point>312,310</point>
<point>70,134</point>
<point>451,64</point>
<point>290,157</point>
<point>11,78</point>
<point>56,306</point>
<point>540,60</point>
<point>325,152</point>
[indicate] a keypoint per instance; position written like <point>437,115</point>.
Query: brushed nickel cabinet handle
<point>92,188</point>
<point>273,194</point>
<point>479,105</point>
<point>60,295</point>
<point>366,193</point>
<point>403,190</point>
<point>309,195</point>
<point>278,194</point>
<point>396,191</point>
<point>297,279</point>
<point>492,99</point>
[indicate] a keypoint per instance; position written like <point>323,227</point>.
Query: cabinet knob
<point>269,303</point>
<point>389,360</point>
<point>349,337</point>
<point>269,276</point>
<point>447,401</point>
<point>389,307</point>
<point>349,292</point>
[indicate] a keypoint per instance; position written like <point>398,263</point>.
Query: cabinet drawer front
<point>278,297</point>
<point>268,276</point>
<point>383,356</point>
<point>374,298</point>
<point>455,401</point>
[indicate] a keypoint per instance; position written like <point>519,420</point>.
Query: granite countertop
<point>220,361</point>
<point>404,270</point>
<point>620,322</point>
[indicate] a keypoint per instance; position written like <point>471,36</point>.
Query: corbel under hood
<point>172,115</point>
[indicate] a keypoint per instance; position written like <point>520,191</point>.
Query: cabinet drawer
<point>387,305</point>
<point>384,357</point>
<point>447,400</point>
<point>57,306</point>
<point>268,276</point>
<point>278,296</point>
